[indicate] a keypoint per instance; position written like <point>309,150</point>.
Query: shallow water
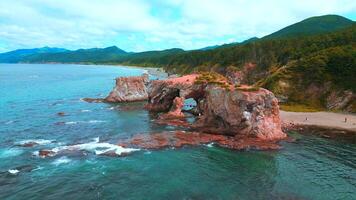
<point>32,95</point>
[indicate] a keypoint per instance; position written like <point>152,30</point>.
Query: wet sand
<point>323,119</point>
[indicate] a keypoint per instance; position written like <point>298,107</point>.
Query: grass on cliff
<point>212,78</point>
<point>299,108</point>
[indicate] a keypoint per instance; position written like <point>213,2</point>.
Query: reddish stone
<point>129,89</point>
<point>93,100</point>
<point>46,153</point>
<point>243,111</point>
<point>176,109</point>
<point>29,144</point>
<point>182,122</point>
<point>179,139</point>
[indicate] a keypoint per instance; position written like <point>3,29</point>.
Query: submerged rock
<point>129,89</point>
<point>46,153</point>
<point>93,100</point>
<point>61,114</point>
<point>28,144</point>
<point>178,139</point>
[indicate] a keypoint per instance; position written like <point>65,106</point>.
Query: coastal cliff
<point>233,116</point>
<point>221,108</point>
<point>129,89</point>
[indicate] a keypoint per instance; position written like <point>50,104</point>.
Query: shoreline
<point>325,120</point>
<point>154,71</point>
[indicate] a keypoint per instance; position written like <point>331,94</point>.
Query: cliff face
<point>226,111</point>
<point>129,89</point>
<point>252,113</point>
<point>161,93</point>
<point>221,107</point>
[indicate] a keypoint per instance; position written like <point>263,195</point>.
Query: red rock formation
<point>180,139</point>
<point>129,89</point>
<point>242,111</point>
<point>176,109</point>
<point>236,112</point>
<point>46,153</point>
<point>161,93</point>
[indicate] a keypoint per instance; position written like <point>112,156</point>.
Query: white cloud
<point>155,24</point>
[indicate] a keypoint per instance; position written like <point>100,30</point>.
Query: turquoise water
<point>32,95</point>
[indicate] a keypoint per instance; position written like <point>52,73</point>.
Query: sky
<point>142,25</point>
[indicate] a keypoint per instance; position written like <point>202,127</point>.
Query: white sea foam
<point>95,121</point>
<point>36,153</point>
<point>71,123</point>
<point>85,122</point>
<point>96,147</point>
<point>37,141</point>
<point>85,111</point>
<point>96,140</point>
<point>13,171</point>
<point>112,108</point>
<point>210,145</point>
<point>61,160</point>
<point>9,122</point>
<point>37,168</point>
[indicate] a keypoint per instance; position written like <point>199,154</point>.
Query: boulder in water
<point>129,89</point>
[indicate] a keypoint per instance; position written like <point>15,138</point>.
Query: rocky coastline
<point>226,114</point>
<point>234,117</point>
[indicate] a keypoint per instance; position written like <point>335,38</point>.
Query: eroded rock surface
<point>254,113</point>
<point>225,110</point>
<point>129,89</point>
<point>161,93</point>
<point>178,139</point>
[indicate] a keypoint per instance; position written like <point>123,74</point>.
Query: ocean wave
<point>85,111</point>
<point>9,122</point>
<point>112,108</point>
<point>95,121</point>
<point>210,145</point>
<point>13,171</point>
<point>61,160</point>
<point>97,147</point>
<point>34,141</point>
<point>71,123</point>
<point>85,122</point>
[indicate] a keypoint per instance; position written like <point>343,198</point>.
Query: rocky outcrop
<point>253,113</point>
<point>129,89</point>
<point>161,93</point>
<point>176,109</point>
<point>341,100</point>
<point>178,139</point>
<point>223,109</point>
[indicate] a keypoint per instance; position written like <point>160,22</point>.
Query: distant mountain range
<point>21,54</point>
<point>310,26</point>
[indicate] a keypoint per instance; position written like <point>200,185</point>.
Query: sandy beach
<point>324,119</point>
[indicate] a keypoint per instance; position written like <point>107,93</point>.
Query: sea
<point>33,95</point>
